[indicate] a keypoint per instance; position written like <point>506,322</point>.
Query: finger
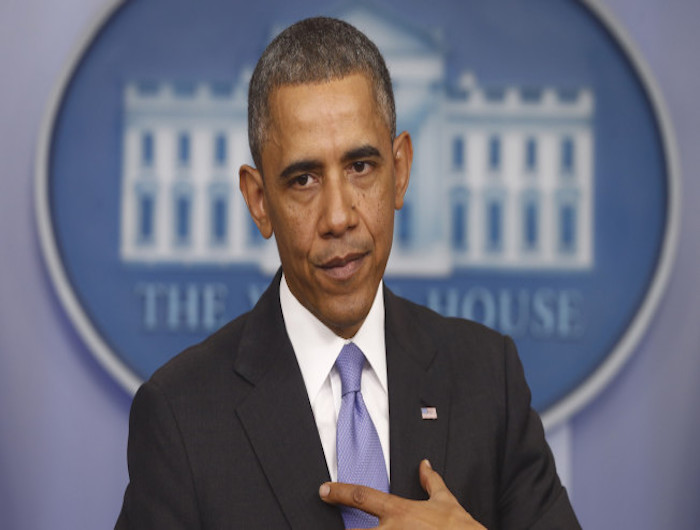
<point>366,499</point>
<point>430,479</point>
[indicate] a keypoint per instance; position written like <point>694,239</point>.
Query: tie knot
<point>349,364</point>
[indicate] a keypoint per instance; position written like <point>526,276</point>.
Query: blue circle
<point>528,44</point>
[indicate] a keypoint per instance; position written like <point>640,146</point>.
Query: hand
<point>441,511</point>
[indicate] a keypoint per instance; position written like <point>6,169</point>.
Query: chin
<point>343,320</point>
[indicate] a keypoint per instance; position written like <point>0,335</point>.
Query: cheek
<point>294,229</point>
<point>381,219</point>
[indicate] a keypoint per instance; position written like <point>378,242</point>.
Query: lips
<point>343,268</point>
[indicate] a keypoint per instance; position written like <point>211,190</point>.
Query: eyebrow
<point>307,166</point>
<point>302,166</point>
<point>364,151</point>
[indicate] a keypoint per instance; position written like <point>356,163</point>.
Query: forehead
<point>334,111</point>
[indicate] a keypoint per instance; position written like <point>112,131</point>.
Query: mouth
<point>342,268</point>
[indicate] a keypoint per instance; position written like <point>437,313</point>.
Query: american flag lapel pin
<point>428,413</point>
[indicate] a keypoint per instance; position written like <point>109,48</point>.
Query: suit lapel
<point>415,380</point>
<point>278,420</point>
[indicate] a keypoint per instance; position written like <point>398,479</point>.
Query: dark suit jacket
<point>223,435</point>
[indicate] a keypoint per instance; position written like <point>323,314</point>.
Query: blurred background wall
<point>63,421</point>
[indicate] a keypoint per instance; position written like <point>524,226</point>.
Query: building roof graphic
<point>502,177</point>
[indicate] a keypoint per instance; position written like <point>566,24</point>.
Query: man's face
<point>332,179</point>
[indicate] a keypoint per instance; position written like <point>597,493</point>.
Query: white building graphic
<point>502,178</point>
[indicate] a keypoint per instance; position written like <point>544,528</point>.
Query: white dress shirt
<point>317,347</point>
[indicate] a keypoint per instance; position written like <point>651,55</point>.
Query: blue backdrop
<point>63,421</point>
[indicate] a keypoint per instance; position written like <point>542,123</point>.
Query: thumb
<point>430,480</point>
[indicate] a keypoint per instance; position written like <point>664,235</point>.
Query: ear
<point>403,158</point>
<point>253,190</point>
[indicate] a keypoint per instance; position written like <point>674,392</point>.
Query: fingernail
<point>427,462</point>
<point>324,490</point>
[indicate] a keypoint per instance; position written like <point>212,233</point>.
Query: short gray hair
<point>315,50</point>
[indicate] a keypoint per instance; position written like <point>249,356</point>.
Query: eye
<point>361,166</point>
<point>302,181</point>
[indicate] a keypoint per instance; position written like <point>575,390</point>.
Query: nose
<point>339,212</point>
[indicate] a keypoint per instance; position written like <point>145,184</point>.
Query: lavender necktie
<point>360,456</point>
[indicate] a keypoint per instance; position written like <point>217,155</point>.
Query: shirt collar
<point>317,347</point>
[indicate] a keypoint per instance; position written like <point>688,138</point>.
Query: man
<point>247,429</point>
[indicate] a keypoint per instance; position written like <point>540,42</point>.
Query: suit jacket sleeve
<point>532,495</point>
<point>161,489</point>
